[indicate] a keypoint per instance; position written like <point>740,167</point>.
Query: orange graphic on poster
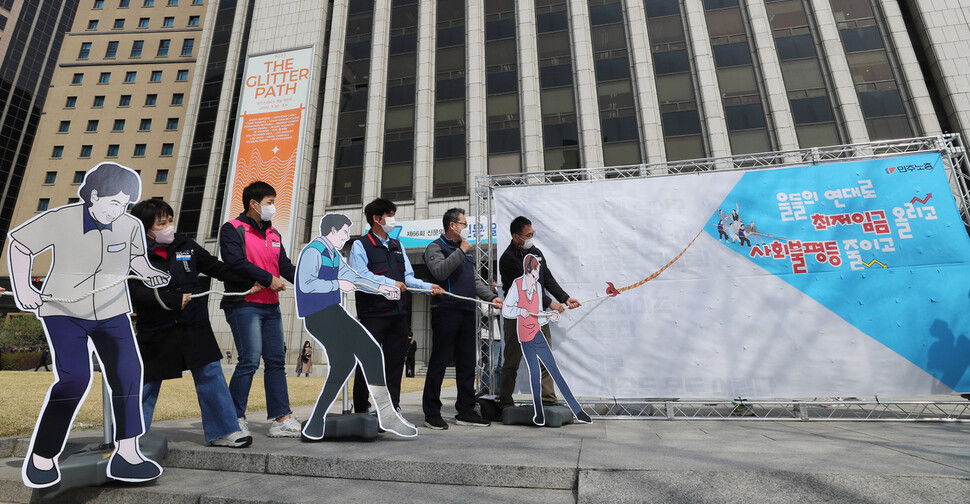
<point>268,150</point>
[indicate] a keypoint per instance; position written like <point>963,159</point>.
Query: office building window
<point>167,149</point>
<point>86,151</point>
<point>112,51</point>
<point>98,4</point>
<point>71,102</point>
<point>64,127</point>
<point>42,204</point>
<point>130,77</point>
<point>151,99</point>
<point>177,98</point>
<point>77,78</point>
<point>182,76</point>
<point>136,48</point>
<point>119,24</point>
<point>173,3</point>
<point>78,177</point>
<point>124,101</point>
<point>143,22</point>
<point>172,123</point>
<point>92,126</point>
<point>119,125</point>
<point>168,22</point>
<point>163,46</point>
<point>156,76</point>
<point>123,4</point>
<point>148,3</point>
<point>187,45</point>
<point>98,102</point>
<point>50,177</point>
<point>113,150</point>
<point>145,125</point>
<point>85,51</point>
<point>93,24</point>
<point>193,20</point>
<point>161,176</point>
<point>104,78</point>
<point>57,152</point>
<point>139,150</point>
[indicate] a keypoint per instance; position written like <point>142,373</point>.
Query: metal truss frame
<point>957,164</point>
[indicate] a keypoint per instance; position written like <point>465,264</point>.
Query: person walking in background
<point>454,325</point>
<point>253,249</point>
<point>42,362</point>
<point>409,361</point>
<point>304,363</point>
<point>174,333</point>
<point>381,260</point>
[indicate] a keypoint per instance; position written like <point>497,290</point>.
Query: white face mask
<point>389,224</point>
<point>464,233</point>
<point>267,212</point>
<point>165,236</point>
<point>527,243</point>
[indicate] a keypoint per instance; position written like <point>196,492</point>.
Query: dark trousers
<point>345,341</point>
<point>391,333</point>
<point>121,366</point>
<point>510,368</point>
<point>451,330</point>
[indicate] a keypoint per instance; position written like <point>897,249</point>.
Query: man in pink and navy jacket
<point>253,249</point>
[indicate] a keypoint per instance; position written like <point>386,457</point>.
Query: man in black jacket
<point>510,267</point>
<point>174,333</point>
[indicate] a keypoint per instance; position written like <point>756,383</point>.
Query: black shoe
<point>38,478</point>
<point>435,422</point>
<point>121,469</point>
<point>471,418</point>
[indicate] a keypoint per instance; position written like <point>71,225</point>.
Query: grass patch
<point>24,392</point>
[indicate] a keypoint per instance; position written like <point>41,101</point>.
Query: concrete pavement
<point>616,461</point>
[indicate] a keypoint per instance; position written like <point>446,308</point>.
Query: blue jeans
<point>218,414</point>
<point>538,350</point>
<point>258,332</point>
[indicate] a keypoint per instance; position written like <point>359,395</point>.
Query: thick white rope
<point>122,280</point>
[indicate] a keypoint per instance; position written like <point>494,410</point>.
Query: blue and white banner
<point>833,280</point>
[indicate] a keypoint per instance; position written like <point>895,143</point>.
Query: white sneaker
<point>238,439</point>
<point>289,427</point>
<point>243,426</point>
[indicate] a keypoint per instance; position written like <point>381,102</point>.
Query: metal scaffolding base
<point>826,410</point>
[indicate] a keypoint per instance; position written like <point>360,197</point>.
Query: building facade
<point>415,99</point>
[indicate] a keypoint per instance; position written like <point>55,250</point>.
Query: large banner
<point>269,138</point>
<point>849,279</point>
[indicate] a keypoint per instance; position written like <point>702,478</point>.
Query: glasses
<point>462,224</point>
<point>527,236</point>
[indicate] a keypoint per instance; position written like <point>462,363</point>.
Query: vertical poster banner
<point>269,138</point>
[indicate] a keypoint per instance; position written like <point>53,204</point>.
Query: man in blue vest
<point>321,275</point>
<point>382,261</point>
<point>453,321</point>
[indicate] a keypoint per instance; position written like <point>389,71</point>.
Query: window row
<point>161,176</point>
<point>137,48</point>
<point>155,76</point>
<point>125,100</point>
<point>143,23</point>
<point>124,4</point>
<point>119,125</point>
<point>113,151</point>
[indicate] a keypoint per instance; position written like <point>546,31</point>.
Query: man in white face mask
<point>453,321</point>
<point>381,260</point>
<point>553,298</point>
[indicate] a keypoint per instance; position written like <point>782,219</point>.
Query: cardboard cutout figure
<point>523,303</point>
<point>95,245</point>
<point>321,275</point>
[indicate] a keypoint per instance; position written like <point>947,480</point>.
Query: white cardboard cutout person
<point>321,275</point>
<point>523,303</point>
<point>95,244</point>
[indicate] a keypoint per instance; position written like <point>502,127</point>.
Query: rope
<point>122,280</point>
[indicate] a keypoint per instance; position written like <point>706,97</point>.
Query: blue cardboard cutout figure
<point>321,275</point>
<point>95,245</point>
